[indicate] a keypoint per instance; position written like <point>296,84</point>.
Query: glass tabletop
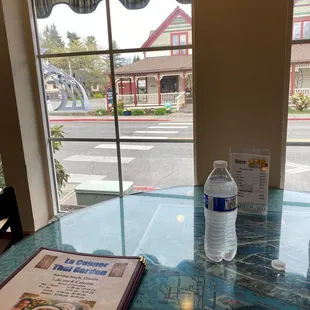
<point>167,227</point>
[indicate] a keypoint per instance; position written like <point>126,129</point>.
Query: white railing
<point>181,99</point>
<point>145,100</point>
<point>305,91</point>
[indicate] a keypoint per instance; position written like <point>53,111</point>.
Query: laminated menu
<point>57,280</point>
<point>251,173</point>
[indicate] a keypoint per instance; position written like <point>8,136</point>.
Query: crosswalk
<point>155,132</point>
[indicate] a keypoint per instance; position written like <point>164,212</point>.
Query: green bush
<point>120,104</point>
<point>120,111</point>
<point>61,175</point>
<point>300,101</point>
<point>161,111</point>
<point>97,96</point>
<point>137,112</point>
<point>101,112</point>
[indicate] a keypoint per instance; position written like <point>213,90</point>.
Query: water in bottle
<point>220,214</point>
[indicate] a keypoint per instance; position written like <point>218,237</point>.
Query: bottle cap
<point>278,264</point>
<point>220,164</point>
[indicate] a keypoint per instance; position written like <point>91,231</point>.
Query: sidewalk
<point>86,118</point>
<point>298,117</point>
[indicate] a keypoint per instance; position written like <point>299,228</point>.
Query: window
<point>298,131</point>
<point>297,31</point>
<point>177,40</point>
<point>306,30</point>
<point>113,118</point>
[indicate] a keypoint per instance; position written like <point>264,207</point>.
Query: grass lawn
<point>293,111</point>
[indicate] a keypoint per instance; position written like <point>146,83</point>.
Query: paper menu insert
<point>251,173</point>
<point>58,280</point>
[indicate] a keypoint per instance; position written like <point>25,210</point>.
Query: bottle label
<point>220,204</point>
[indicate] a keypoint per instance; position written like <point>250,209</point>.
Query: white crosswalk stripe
<point>167,127</point>
<point>297,168</point>
<point>79,178</point>
<point>153,131</point>
<point>99,159</point>
<point>168,124</point>
<point>143,137</point>
<point>125,147</point>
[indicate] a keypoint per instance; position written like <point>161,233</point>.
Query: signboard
<point>250,170</point>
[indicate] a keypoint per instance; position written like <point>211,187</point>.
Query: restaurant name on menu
<point>57,280</point>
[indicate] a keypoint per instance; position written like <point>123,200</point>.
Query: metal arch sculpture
<point>67,85</point>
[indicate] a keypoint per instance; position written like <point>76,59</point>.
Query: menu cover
<point>57,280</point>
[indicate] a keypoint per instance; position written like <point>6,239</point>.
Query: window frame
<point>111,52</point>
<point>178,34</point>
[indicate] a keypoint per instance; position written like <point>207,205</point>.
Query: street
<point>155,165</point>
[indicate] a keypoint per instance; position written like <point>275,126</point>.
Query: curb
<point>299,118</point>
<point>106,120</point>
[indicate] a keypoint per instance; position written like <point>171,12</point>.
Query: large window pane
<point>158,165</point>
<point>75,89</point>
<point>86,165</point>
<point>66,31</point>
<point>150,27</point>
<point>297,169</point>
<point>155,91</point>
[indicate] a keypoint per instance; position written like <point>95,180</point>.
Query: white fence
<point>151,100</point>
<point>305,91</point>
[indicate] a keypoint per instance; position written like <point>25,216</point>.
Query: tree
<point>136,58</point>
<point>88,70</point>
<point>119,61</point>
<point>72,37</point>
<point>51,39</point>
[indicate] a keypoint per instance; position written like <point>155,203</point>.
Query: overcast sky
<point>130,27</point>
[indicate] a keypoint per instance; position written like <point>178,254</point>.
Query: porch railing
<point>305,91</point>
<point>151,100</point>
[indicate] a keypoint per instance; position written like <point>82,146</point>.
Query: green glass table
<point>167,227</point>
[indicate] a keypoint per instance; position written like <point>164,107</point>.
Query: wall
<point>241,71</point>
<point>152,85</point>
<point>25,149</point>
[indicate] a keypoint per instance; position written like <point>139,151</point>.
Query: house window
<point>306,30</point>
<point>178,39</point>
<point>297,31</point>
<point>100,145</point>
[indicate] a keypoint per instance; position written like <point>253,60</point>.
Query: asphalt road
<point>156,165</point>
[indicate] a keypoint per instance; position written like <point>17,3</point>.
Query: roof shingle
<point>157,64</point>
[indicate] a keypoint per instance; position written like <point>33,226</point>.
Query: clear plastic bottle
<point>220,214</point>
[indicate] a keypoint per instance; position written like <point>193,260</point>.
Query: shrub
<point>300,101</point>
<point>120,111</point>
<point>101,112</point>
<point>97,96</point>
<point>161,111</point>
<point>120,104</point>
<point>137,112</point>
<point>149,111</point>
<point>61,175</point>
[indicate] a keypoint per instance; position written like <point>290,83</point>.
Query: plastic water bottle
<point>220,214</point>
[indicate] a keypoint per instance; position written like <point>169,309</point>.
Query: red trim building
<point>164,75</point>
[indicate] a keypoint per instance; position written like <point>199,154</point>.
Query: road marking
<point>297,168</point>
<point>298,140</point>
<point>99,159</point>
<point>174,124</point>
<point>159,131</point>
<point>125,147</point>
<point>166,127</point>
<point>79,178</point>
<point>143,137</point>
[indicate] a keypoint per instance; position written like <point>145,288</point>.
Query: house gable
<point>177,21</point>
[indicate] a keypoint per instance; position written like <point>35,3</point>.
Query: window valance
<point>44,7</point>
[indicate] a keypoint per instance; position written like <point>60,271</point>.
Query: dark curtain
<point>44,7</point>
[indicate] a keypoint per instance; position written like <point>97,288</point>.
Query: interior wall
<point>241,72</point>
<point>34,191</point>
